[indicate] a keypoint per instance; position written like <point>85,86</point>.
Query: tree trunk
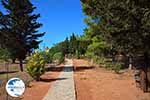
<point>146,60</point>
<point>21,65</point>
<point>13,61</point>
<point>130,62</point>
<point>145,71</point>
<point>143,81</point>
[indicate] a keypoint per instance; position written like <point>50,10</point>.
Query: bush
<point>58,57</point>
<point>4,54</point>
<point>47,56</point>
<point>100,60</point>
<point>114,66</point>
<point>117,67</point>
<point>35,66</point>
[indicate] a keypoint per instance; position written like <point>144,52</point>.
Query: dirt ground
<point>13,71</point>
<point>100,84</point>
<point>37,90</point>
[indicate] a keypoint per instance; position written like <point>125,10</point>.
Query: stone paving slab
<point>63,88</point>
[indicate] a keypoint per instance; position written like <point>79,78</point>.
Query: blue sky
<point>60,18</point>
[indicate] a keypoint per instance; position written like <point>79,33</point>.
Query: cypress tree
<point>23,28</point>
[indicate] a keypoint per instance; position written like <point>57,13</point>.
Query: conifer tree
<point>23,28</point>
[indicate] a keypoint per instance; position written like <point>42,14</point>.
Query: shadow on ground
<point>51,80</point>
<point>82,68</point>
<point>54,69</point>
<point>69,68</point>
<point>5,72</point>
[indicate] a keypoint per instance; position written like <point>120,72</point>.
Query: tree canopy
<point>19,28</point>
<point>125,23</point>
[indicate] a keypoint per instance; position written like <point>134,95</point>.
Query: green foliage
<point>35,65</point>
<point>73,46</point>
<point>65,46</point>
<point>116,66</point>
<point>58,57</point>
<point>124,23</point>
<point>19,28</point>
<point>96,49</point>
<point>4,54</point>
<point>99,60</point>
<point>77,54</point>
<point>56,53</point>
<point>123,26</point>
<point>48,56</point>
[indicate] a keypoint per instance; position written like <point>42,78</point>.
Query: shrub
<point>77,55</point>
<point>109,65</point>
<point>47,56</point>
<point>117,67</point>
<point>114,66</point>
<point>4,54</point>
<point>35,66</point>
<point>58,57</point>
